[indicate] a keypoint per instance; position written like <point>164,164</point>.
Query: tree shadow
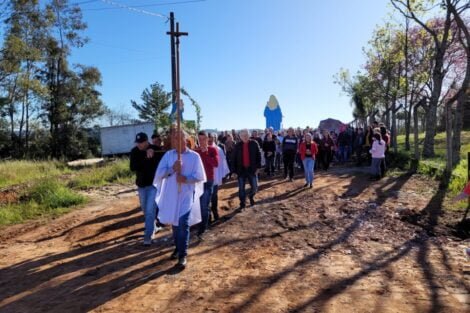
<point>98,220</point>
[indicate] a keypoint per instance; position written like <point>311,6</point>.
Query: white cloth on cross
<point>173,202</point>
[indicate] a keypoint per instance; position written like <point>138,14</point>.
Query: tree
<point>441,34</point>
<point>155,105</point>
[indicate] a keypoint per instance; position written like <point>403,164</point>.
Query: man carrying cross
<point>179,184</point>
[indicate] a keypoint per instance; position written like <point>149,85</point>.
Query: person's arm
<point>164,169</point>
<point>258,157</point>
<point>135,165</point>
<point>213,157</point>
<point>197,174</point>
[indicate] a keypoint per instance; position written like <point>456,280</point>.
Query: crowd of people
<point>178,176</point>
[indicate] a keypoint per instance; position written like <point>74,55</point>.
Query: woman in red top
<point>308,150</point>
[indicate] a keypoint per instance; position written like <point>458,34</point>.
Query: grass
<point>96,176</point>
<point>47,197</point>
<point>435,167</point>
<point>21,172</point>
<point>49,189</point>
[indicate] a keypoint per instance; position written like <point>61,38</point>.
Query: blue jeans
<point>252,180</point>
<point>343,153</point>
<point>149,207</point>
<point>309,165</point>
<point>205,201</point>
<point>181,235</point>
<point>376,171</point>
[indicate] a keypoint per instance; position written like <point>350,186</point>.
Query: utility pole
<point>175,75</point>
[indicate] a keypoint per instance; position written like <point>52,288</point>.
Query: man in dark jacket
<point>144,161</point>
<point>290,145</point>
<point>246,162</point>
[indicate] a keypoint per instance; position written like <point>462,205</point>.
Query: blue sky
<point>238,53</point>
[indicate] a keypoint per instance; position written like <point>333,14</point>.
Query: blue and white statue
<point>273,114</point>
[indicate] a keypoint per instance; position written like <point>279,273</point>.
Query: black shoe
<point>306,185</point>
<point>252,201</point>
<point>182,262</point>
<point>174,255</point>
<point>311,186</point>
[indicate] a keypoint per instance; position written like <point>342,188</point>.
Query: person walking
<point>179,185</point>
<point>308,150</point>
<point>378,155</point>
<point>269,149</point>
<point>358,144</point>
<point>247,162</point>
<point>144,160</point>
<point>219,174</point>
<point>326,150</point>
<point>289,150</point>
<point>210,159</point>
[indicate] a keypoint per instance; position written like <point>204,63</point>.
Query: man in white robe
<point>220,172</point>
<point>179,186</point>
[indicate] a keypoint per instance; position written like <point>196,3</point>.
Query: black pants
<point>289,159</point>
<point>358,151</point>
<point>270,164</point>
<point>326,157</point>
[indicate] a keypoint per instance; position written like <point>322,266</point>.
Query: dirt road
<point>347,245</point>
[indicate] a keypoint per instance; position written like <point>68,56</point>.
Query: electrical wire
<point>123,6</point>
<point>148,5</point>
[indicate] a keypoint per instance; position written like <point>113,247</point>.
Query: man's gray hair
<point>244,131</point>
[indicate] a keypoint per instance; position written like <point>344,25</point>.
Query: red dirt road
<point>339,247</point>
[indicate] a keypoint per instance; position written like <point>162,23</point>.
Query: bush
<point>458,180</point>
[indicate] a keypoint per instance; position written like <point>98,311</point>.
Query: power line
<point>147,5</point>
<point>134,9</point>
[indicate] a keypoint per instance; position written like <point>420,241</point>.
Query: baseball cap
<point>141,137</point>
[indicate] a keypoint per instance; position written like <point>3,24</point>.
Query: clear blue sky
<point>238,53</point>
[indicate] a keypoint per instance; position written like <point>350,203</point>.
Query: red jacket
<point>303,149</point>
<point>210,160</point>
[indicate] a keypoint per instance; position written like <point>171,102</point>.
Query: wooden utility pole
<point>175,74</point>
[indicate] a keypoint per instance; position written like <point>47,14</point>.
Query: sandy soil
<point>347,245</point>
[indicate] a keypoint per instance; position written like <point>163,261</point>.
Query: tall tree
<point>441,35</point>
<point>156,102</point>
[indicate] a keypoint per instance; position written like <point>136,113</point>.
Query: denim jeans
<point>215,202</point>
<point>149,206</point>
<point>181,235</point>
<point>205,201</point>
<point>376,166</point>
<point>343,153</point>
<point>278,160</point>
<point>309,165</point>
<point>270,164</point>
<point>252,180</point>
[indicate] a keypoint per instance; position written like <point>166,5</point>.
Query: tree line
<point>417,69</point>
<point>47,105</point>
<point>50,108</point>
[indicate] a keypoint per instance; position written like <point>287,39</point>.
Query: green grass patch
<point>117,171</point>
<point>46,198</point>
<point>20,172</point>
